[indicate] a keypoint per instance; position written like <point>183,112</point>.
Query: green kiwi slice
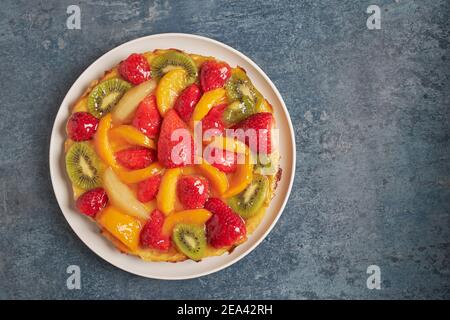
<point>105,96</point>
<point>190,239</point>
<point>248,202</point>
<point>238,111</point>
<point>172,60</point>
<point>239,85</point>
<point>83,166</point>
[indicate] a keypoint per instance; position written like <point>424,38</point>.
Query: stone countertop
<point>371,114</point>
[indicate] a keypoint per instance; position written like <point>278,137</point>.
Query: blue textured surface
<point>371,113</point>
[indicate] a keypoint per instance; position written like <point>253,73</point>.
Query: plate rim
<point>53,158</point>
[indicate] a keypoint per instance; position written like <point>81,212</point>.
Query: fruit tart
<point>173,155</point>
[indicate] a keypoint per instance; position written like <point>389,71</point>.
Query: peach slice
<point>207,101</point>
<point>217,178</point>
<point>242,177</point>
<point>169,87</point>
<point>121,196</point>
<point>228,143</point>
<point>125,108</point>
<point>101,142</point>
<point>195,216</point>
<point>122,226</point>
<point>132,135</point>
<point>135,176</point>
<point>166,197</point>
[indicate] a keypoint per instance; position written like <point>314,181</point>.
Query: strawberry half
<point>213,121</point>
<point>135,69</point>
<point>192,191</point>
<point>179,150</point>
<point>225,227</point>
<point>224,160</point>
<point>214,74</point>
<point>147,118</point>
<point>92,201</point>
<point>148,189</point>
<point>262,124</point>
<point>151,235</point>
<point>136,157</point>
<point>186,102</point>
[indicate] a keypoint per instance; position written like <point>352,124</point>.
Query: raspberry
<point>135,69</point>
<point>186,102</point>
<point>151,234</point>
<point>192,191</point>
<point>92,201</point>
<point>81,126</point>
<point>147,118</point>
<point>225,227</point>
<point>214,74</point>
<point>148,189</point>
<point>136,157</point>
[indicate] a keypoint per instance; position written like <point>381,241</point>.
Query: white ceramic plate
<point>88,231</point>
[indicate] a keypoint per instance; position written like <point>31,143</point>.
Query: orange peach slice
<point>121,196</point>
<point>169,87</point>
<point>195,216</point>
<point>132,135</point>
<point>217,178</point>
<point>127,105</point>
<point>135,176</point>
<point>101,142</point>
<point>166,197</point>
<point>207,101</point>
<point>122,226</point>
<point>242,177</point>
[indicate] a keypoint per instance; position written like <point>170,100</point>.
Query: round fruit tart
<point>173,155</point>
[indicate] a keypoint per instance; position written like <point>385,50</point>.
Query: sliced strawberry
<point>136,157</point>
<point>151,234</point>
<point>223,160</point>
<point>175,144</point>
<point>258,126</point>
<point>213,121</point>
<point>92,201</point>
<point>135,69</point>
<point>148,189</point>
<point>214,74</point>
<point>225,227</point>
<point>192,191</point>
<point>186,102</point>
<point>147,118</point>
<point>81,126</point>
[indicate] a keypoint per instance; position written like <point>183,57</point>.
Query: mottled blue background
<point>371,113</point>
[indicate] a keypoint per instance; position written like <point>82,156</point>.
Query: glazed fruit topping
<point>177,152</point>
<point>186,102</point>
<point>151,234</point>
<point>214,74</point>
<point>82,126</point>
<point>92,201</point>
<point>262,123</point>
<point>148,189</point>
<point>213,121</point>
<point>225,228</point>
<point>136,157</point>
<point>135,69</point>
<point>193,191</point>
<point>225,161</point>
<point>147,118</point>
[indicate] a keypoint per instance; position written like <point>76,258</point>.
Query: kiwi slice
<point>172,60</point>
<point>248,202</point>
<point>83,166</point>
<point>190,239</point>
<point>239,85</point>
<point>238,111</point>
<point>105,96</point>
